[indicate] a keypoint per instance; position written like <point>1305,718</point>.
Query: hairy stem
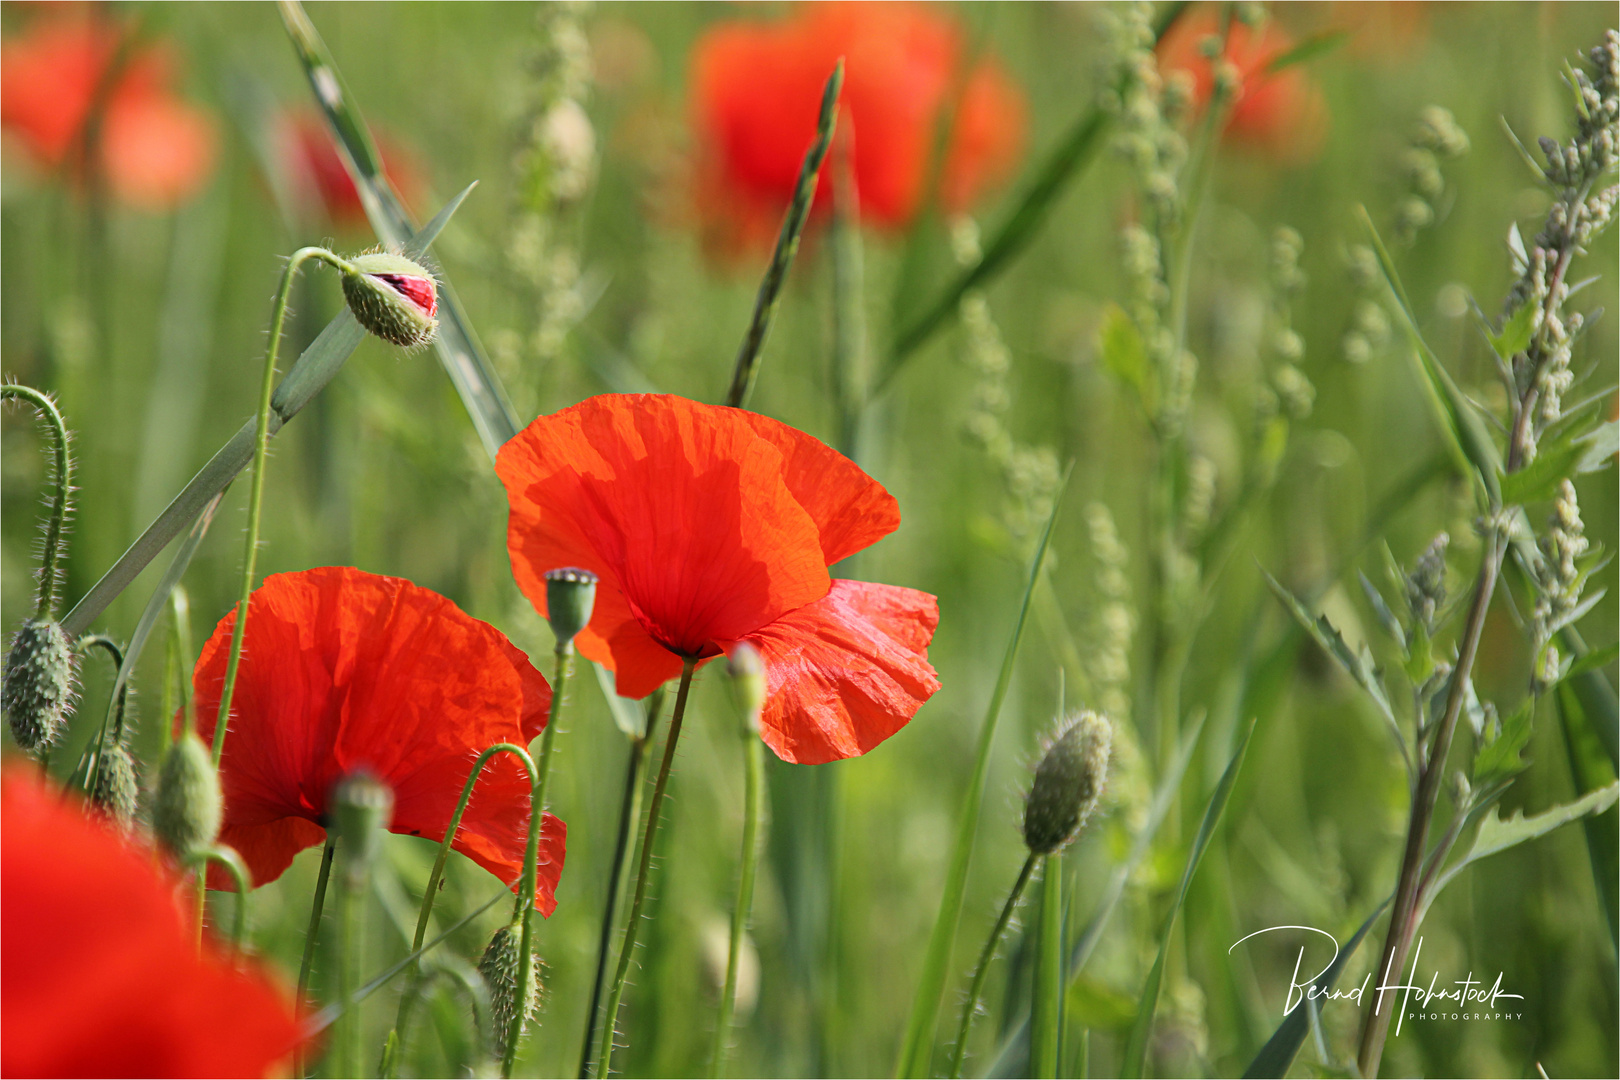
<point>310,935</point>
<point>50,556</point>
<point>970,1007</point>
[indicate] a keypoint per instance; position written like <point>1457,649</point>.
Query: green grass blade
<point>917,1046</point>
<point>1067,160</point>
<point>459,350</point>
<point>1136,1043</point>
<point>316,367</point>
<point>1046,1009</point>
<point>1277,1054</point>
<point>1592,770</point>
<point>787,245</point>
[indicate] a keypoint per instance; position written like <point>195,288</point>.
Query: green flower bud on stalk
<point>117,793</point>
<point>1068,782</point>
<point>570,597</point>
<point>187,810</point>
<point>747,670</point>
<point>393,297</point>
<point>502,971</point>
<point>361,809</point>
<point>38,689</point>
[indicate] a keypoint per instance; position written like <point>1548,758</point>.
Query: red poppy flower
<point>343,670</point>
<point>100,975</point>
<point>155,149</point>
<point>1280,112</point>
<point>321,182</point>
<point>709,526</point>
<point>757,89</point>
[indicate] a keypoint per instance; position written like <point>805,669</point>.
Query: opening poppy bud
<point>117,793</point>
<point>747,671</point>
<point>570,597</point>
<point>38,688</point>
<point>502,971</point>
<point>1068,782</point>
<point>362,808</point>
<point>186,811</point>
<point>392,297</point>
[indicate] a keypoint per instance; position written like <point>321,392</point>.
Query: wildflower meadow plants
<point>1143,471</point>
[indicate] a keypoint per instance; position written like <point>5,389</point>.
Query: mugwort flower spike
<point>392,297</point>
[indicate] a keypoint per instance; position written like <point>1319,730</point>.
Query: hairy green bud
<point>501,967</point>
<point>360,809</point>
<point>117,793</point>
<point>187,810</point>
<point>38,689</point>
<point>393,297</point>
<point>570,598</point>
<point>747,670</point>
<point>1068,782</point>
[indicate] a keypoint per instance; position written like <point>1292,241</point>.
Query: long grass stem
<point>1046,1007</point>
<point>970,1007</point>
<point>311,933</point>
<point>753,811</point>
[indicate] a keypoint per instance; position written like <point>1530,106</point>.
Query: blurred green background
<point>150,328</point>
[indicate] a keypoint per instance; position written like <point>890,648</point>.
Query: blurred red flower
<point>100,975</point>
<point>710,526</point>
<point>1282,113</point>
<point>319,179</point>
<point>756,90</point>
<point>344,670</point>
<point>155,149</point>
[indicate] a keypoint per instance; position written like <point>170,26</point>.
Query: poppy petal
<point>852,510</point>
<point>344,670</point>
<point>617,640</point>
<point>679,506</point>
<point>847,671</point>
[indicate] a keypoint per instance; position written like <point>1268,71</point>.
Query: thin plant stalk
<point>347,1041</point>
<point>604,1053</point>
<point>311,933</point>
<point>232,862</point>
<point>753,811</point>
<point>629,814</point>
<point>970,1007</point>
<point>57,525</point>
<point>1046,1008</point>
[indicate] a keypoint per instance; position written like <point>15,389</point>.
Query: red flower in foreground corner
<point>1281,112</point>
<point>709,526</point>
<point>156,149</point>
<point>757,90</point>
<point>100,975</point>
<point>344,670</point>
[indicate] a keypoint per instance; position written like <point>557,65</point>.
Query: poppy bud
<point>392,297</point>
<point>117,793</point>
<point>1068,782</point>
<point>361,809</point>
<point>570,596</point>
<point>186,811</point>
<point>502,971</point>
<point>38,688</point>
<point>747,671</point>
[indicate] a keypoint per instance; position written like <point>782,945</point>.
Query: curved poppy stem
<point>413,977</point>
<point>232,862</point>
<point>90,761</point>
<point>976,987</point>
<point>610,1022</point>
<point>261,444</point>
<point>629,814</point>
<point>531,856</point>
<point>754,805</point>
<point>51,551</point>
<point>310,934</point>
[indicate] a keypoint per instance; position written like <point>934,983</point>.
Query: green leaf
<point>1046,1006</point>
<point>629,715</point>
<point>1466,432</point>
<point>1499,758</point>
<point>1120,345</point>
<point>1135,1054</point>
<point>1516,333</point>
<point>1592,770</point>
<point>1316,45</point>
<point>1496,835</point>
<point>1561,460</point>
<point>917,1044</point>
<point>1386,617</point>
<point>1595,660</point>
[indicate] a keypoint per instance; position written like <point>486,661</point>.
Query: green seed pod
<point>187,810</point>
<point>361,808</point>
<point>117,793</point>
<point>392,297</point>
<point>1068,782</point>
<point>747,670</point>
<point>500,967</point>
<point>38,689</point>
<point>570,597</point>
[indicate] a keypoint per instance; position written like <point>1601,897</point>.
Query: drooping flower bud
<point>117,793</point>
<point>570,598</point>
<point>361,809</point>
<point>186,812</point>
<point>38,688</point>
<point>502,971</point>
<point>1068,782</point>
<point>393,297</point>
<point>747,671</point>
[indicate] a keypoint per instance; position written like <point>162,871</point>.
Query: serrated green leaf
<point>1516,333</point>
<point>1123,353</point>
<point>1496,835</point>
<point>1386,617</point>
<point>1499,758</point>
<point>1324,633</point>
<point>1558,461</point>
